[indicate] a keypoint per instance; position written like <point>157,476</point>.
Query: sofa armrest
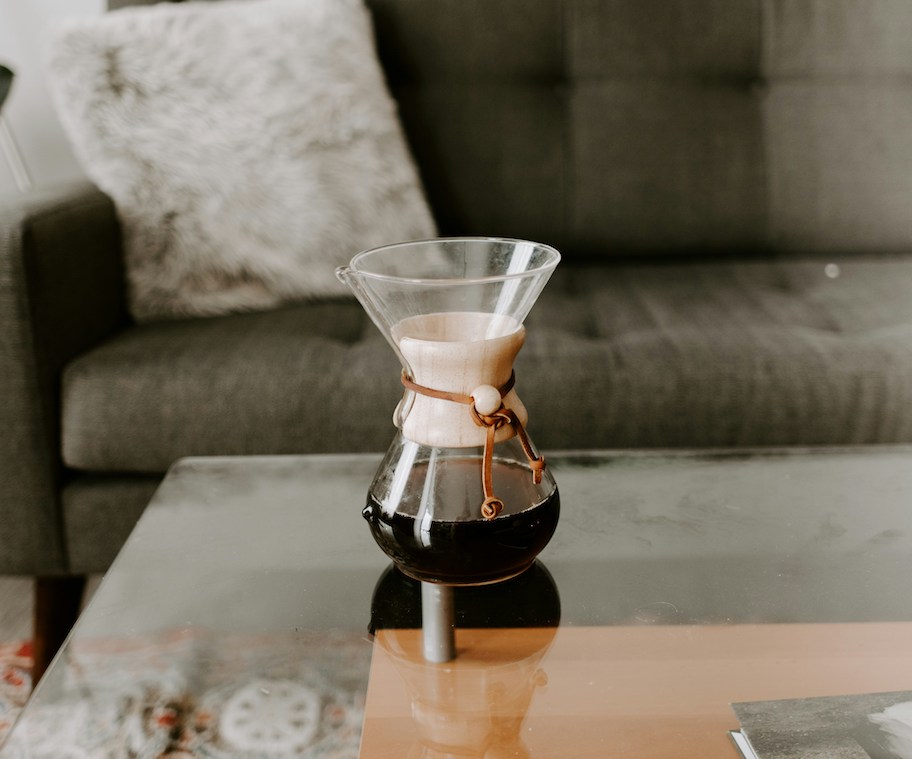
<point>61,292</point>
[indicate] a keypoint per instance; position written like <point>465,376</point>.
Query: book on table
<point>861,726</point>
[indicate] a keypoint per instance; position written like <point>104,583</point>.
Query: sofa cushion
<point>705,355</point>
<point>608,127</point>
<point>658,354</point>
<point>297,380</point>
<point>250,148</point>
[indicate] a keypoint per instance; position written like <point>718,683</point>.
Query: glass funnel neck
<point>467,275</point>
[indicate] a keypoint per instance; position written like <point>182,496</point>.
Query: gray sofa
<point>729,181</point>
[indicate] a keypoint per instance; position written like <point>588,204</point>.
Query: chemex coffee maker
<point>462,496</point>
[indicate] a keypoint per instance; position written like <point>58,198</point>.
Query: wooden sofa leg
<point>57,604</point>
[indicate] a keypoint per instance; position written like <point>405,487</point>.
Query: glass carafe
<point>462,497</point>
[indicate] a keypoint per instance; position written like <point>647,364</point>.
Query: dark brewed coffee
<point>469,552</point>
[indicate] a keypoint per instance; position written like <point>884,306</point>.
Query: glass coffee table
<point>250,614</point>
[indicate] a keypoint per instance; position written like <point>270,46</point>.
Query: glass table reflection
<point>251,614</point>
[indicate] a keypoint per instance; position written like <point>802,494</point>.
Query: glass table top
<point>251,614</point>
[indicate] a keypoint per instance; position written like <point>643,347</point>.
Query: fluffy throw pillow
<point>250,146</point>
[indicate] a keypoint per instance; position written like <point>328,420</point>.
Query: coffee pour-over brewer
<point>462,497</point>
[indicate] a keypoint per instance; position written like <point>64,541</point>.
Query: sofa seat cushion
<point>785,352</point>
<point>812,352</point>
<point>302,379</point>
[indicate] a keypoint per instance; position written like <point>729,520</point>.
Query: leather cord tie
<point>492,505</point>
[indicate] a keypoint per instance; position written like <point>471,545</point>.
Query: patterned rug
<point>192,695</point>
<point>15,682</point>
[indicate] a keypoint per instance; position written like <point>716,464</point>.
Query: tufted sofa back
<point>612,127</point>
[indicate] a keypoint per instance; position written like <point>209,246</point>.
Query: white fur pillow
<point>250,147</point>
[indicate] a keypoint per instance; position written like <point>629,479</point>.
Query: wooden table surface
<point>644,692</point>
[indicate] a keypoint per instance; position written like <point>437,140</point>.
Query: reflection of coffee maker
<point>475,705</point>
